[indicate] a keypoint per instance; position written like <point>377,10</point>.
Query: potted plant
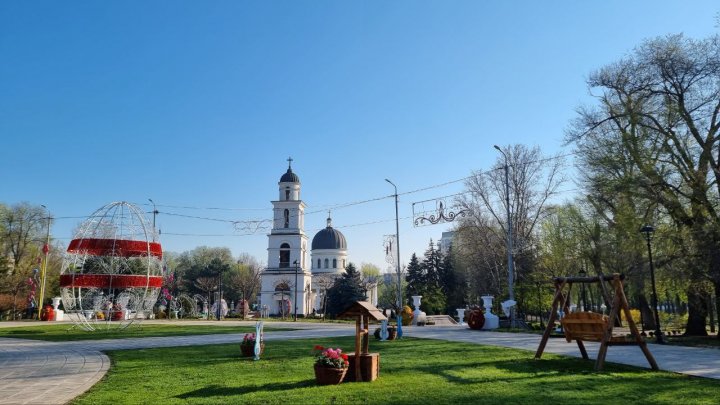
<point>247,346</point>
<point>392,333</point>
<point>330,365</point>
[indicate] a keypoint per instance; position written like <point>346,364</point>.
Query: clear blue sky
<point>198,104</point>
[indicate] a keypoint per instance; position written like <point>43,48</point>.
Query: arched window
<point>287,194</point>
<point>327,262</point>
<point>343,263</point>
<point>334,263</point>
<point>284,255</point>
<point>287,217</point>
<point>319,264</point>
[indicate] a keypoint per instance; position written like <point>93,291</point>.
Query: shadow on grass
<point>220,391</point>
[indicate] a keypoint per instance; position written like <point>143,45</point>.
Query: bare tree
<point>533,180</point>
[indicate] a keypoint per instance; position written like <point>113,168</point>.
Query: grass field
<point>66,332</point>
<point>413,371</point>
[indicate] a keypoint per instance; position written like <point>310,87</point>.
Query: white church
<point>291,278</point>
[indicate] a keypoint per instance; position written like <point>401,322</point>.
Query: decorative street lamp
<point>648,230</point>
<point>295,301</point>
<point>511,294</point>
<point>399,281</point>
<point>43,271</point>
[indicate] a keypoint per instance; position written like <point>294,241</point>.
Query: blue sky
<point>199,104</point>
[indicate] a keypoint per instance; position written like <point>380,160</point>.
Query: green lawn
<point>66,332</point>
<point>412,371</point>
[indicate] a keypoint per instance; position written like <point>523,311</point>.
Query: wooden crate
<point>369,367</point>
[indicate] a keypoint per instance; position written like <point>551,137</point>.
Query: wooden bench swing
<point>591,326</point>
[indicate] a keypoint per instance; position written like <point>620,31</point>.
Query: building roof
<point>329,238</point>
<point>360,308</point>
<point>289,177</point>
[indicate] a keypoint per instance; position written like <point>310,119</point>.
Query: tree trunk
<point>697,312</point>
<point>717,304</point>
<point>647,313</point>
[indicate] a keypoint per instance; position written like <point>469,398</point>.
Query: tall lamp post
<point>583,273</point>
<point>511,294</point>
<point>399,281</point>
<point>220,297</point>
<point>295,301</point>
<point>155,212</point>
<point>648,230</point>
<point>43,271</point>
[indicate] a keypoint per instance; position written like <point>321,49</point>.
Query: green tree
<point>658,112</point>
<point>346,290</point>
<point>424,279</point>
<point>415,279</point>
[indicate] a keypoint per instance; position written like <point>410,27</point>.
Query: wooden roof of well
<point>362,308</point>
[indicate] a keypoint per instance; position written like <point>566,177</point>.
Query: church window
<point>327,262</point>
<point>334,263</point>
<point>343,263</point>
<point>287,194</point>
<point>284,255</point>
<point>319,264</point>
<point>287,218</point>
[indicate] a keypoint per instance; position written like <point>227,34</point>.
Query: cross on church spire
<point>290,159</point>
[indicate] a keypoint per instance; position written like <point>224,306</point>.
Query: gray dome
<point>289,177</point>
<point>329,238</point>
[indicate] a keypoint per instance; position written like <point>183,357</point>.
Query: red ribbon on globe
<point>114,247</point>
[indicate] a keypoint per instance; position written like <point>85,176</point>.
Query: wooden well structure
<point>364,366</point>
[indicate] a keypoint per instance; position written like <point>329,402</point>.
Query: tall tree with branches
<point>659,110</point>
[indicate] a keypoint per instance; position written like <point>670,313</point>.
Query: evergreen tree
<point>434,298</point>
<point>424,279</point>
<point>415,279</point>
<point>452,283</point>
<point>345,291</point>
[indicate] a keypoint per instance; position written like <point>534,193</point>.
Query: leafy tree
<point>658,118</point>
<point>244,279</point>
<point>345,291</point>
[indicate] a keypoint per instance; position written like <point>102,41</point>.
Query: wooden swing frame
<point>590,326</point>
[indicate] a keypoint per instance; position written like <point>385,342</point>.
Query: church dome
<point>329,238</point>
<point>289,177</point>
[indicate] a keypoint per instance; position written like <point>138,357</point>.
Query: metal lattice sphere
<point>112,271</point>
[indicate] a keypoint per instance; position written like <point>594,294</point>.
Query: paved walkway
<point>37,372</point>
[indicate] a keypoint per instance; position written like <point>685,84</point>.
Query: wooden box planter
<point>369,367</point>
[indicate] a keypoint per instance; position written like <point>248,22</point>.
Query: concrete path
<point>37,372</point>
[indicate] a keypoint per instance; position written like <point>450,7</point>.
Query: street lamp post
<point>220,297</point>
<point>397,247</point>
<point>648,231</point>
<point>511,294</point>
<point>43,271</point>
<point>295,301</point>
<point>155,212</point>
<point>583,273</point>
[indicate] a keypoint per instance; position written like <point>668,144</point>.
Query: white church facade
<point>292,277</point>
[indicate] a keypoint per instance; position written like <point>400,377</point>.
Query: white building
<point>287,275</point>
<point>446,242</point>
<point>288,258</point>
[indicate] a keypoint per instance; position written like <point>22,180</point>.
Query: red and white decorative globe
<point>112,271</point>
